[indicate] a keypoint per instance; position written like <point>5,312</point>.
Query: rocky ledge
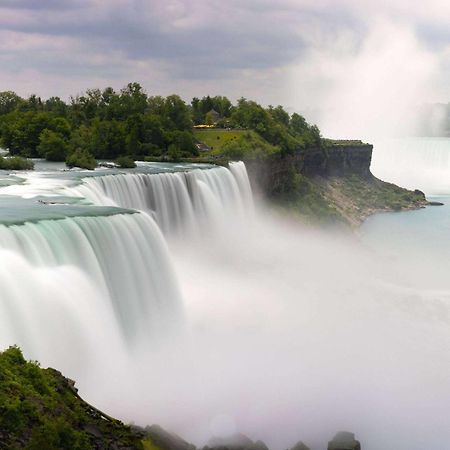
<point>41,409</point>
<point>330,185</point>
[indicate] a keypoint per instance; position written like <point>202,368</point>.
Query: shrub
<point>81,158</point>
<point>16,163</point>
<point>125,162</point>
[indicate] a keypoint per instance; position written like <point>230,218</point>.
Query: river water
<point>418,240</point>
<point>171,298</point>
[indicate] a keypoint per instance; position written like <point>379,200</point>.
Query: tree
<point>52,146</point>
<point>176,113</point>
<point>9,101</point>
<point>279,115</point>
<point>183,142</point>
<point>56,106</point>
<point>298,124</point>
<point>81,158</point>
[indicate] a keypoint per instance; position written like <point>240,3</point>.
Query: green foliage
<point>125,162</point>
<point>247,146</point>
<point>303,196</point>
<point>81,158</point>
<point>15,163</point>
<point>8,102</point>
<point>379,194</point>
<point>109,124</point>
<point>289,134</point>
<point>149,444</point>
<point>201,108</point>
<point>40,410</point>
<point>52,146</point>
<point>182,143</point>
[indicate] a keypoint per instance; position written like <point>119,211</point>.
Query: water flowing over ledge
<point>180,202</point>
<point>422,163</point>
<point>93,272</point>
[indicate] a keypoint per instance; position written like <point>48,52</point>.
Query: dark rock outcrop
<point>237,441</point>
<point>352,158</point>
<point>344,440</point>
<point>165,440</point>
<point>300,446</point>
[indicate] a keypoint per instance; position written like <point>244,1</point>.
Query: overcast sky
<point>304,54</point>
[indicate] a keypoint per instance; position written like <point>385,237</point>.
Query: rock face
<point>300,446</point>
<point>41,409</point>
<point>335,160</point>
<point>237,441</point>
<point>344,440</point>
<point>165,440</point>
<point>339,160</point>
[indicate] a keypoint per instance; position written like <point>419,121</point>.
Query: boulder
<point>300,446</point>
<point>237,441</point>
<point>344,440</point>
<point>165,440</point>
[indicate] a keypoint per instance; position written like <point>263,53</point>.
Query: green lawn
<point>217,138</point>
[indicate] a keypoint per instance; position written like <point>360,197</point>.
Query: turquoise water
<point>411,234</point>
<point>45,193</point>
<point>418,241</point>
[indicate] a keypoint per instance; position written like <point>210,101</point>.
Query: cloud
<point>284,52</point>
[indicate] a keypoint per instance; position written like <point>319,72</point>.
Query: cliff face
<point>335,160</point>
<point>330,185</point>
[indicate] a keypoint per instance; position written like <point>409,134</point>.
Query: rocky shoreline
<point>41,409</point>
<point>330,185</point>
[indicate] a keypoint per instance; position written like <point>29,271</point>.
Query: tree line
<point>109,124</point>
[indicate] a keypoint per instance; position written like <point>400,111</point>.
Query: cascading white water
<point>72,280</point>
<point>292,333</point>
<point>422,163</point>
<point>180,202</point>
<point>93,276</point>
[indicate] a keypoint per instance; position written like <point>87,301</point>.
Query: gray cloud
<point>179,43</point>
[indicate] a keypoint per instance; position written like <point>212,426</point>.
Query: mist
<point>374,76</point>
<point>295,334</point>
<point>263,326</point>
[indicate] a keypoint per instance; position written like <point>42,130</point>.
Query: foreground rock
<point>41,409</point>
<point>300,446</point>
<point>237,441</point>
<point>344,440</point>
<point>165,440</point>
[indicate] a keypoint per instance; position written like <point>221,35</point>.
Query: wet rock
<point>344,440</point>
<point>300,446</point>
<point>165,440</point>
<point>237,441</point>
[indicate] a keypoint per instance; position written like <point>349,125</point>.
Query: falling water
<point>180,202</point>
<point>422,163</point>
<point>78,281</point>
<point>290,333</point>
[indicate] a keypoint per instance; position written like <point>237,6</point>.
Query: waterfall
<point>73,282</point>
<point>93,274</point>
<point>422,163</point>
<point>180,202</point>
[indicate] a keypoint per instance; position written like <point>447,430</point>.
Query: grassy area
<point>234,144</point>
<point>343,142</point>
<point>217,138</point>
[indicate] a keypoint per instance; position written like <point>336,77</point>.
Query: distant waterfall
<point>81,279</point>
<point>422,163</point>
<point>179,201</point>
